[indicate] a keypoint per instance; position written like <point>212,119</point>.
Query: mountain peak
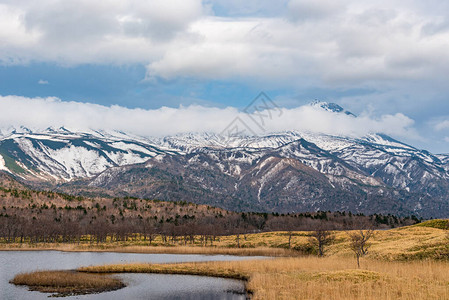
<point>331,107</point>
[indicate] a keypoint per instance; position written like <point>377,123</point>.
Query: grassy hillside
<point>405,243</point>
<point>401,244</point>
<point>438,223</point>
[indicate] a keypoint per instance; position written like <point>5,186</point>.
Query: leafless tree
<point>359,242</point>
<point>447,239</point>
<point>320,239</point>
<point>57,218</point>
<point>287,224</point>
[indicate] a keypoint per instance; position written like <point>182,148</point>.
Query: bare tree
<point>447,239</point>
<point>359,243</point>
<point>447,229</point>
<point>288,224</point>
<point>320,239</point>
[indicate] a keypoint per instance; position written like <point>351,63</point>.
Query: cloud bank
<point>41,113</point>
<point>332,43</point>
<point>391,54</point>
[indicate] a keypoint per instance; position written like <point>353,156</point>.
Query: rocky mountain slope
<point>295,176</point>
<point>284,172</point>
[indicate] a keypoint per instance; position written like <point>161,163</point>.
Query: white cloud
<point>346,43</point>
<point>442,125</point>
<point>41,81</point>
<point>40,113</point>
<point>72,32</point>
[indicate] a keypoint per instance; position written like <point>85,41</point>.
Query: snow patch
<point>132,147</point>
<point>92,144</point>
<point>3,164</point>
<point>126,158</point>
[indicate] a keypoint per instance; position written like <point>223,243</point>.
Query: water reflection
<point>140,286</point>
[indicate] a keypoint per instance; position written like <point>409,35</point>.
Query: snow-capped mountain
<point>332,107</point>
<point>286,171</point>
<point>62,155</point>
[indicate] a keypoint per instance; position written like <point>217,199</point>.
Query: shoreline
<point>260,251</point>
<point>174,269</point>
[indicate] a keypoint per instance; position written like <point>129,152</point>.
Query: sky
<point>167,66</point>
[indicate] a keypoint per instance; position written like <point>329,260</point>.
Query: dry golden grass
<point>317,278</point>
<point>67,283</point>
<point>407,243</point>
<point>261,251</point>
<point>402,244</point>
<point>404,263</point>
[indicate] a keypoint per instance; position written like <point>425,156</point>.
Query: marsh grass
<point>262,251</point>
<point>64,283</point>
<point>404,263</point>
<point>316,278</point>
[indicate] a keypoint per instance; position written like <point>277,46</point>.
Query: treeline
<point>53,225</point>
<point>28,216</point>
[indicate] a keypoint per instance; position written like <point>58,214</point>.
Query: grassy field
<point>404,263</point>
<point>316,278</point>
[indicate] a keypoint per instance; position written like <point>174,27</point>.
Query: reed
<point>316,278</point>
<point>262,251</point>
<point>404,263</point>
<point>64,283</point>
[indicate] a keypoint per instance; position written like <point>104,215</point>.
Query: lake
<point>140,286</point>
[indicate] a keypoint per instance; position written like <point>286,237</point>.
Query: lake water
<point>140,286</point>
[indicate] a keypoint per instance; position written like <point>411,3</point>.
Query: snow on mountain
<point>331,107</point>
<point>193,141</point>
<point>60,154</point>
<point>67,155</point>
<point>2,164</point>
<point>278,171</point>
<point>372,155</point>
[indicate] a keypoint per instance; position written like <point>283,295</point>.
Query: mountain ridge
<point>287,171</point>
<point>275,172</point>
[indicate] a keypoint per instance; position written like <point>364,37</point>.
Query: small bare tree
<point>447,229</point>
<point>359,243</point>
<point>320,239</point>
<point>447,239</point>
<point>288,224</point>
